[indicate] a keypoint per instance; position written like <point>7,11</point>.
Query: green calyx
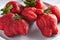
<point>30,3</point>
<point>6,9</point>
<point>47,10</point>
<point>17,17</point>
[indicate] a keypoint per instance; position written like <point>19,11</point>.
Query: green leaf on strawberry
<point>30,3</point>
<point>17,17</point>
<point>6,9</point>
<point>47,10</point>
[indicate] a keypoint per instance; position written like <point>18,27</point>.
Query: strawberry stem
<point>17,17</point>
<point>47,10</point>
<point>30,3</point>
<point>6,9</point>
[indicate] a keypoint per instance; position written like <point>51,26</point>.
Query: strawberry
<point>39,11</point>
<point>29,14</point>
<point>46,32</point>
<point>23,26</point>
<point>13,25</point>
<point>1,27</point>
<point>47,23</point>
<point>55,10</point>
<point>7,21</point>
<point>13,7</point>
<point>31,9</point>
<point>40,5</point>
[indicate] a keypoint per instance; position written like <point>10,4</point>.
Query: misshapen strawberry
<point>12,6</point>
<point>23,26</point>
<point>12,25</point>
<point>47,23</point>
<point>16,6</point>
<point>6,22</point>
<point>40,5</point>
<point>55,10</point>
<point>29,13</point>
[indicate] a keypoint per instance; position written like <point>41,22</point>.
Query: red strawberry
<point>13,7</point>
<point>54,24</point>
<point>39,11</point>
<point>29,14</point>
<point>31,9</point>
<point>55,10</point>
<point>16,6</point>
<point>47,23</point>
<point>1,27</point>
<point>23,27</point>
<point>40,5</point>
<point>6,22</point>
<point>47,32</point>
<point>12,25</point>
<point>7,32</point>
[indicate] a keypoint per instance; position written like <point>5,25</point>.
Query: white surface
<point>2,38</point>
<point>34,33</point>
<point>53,2</point>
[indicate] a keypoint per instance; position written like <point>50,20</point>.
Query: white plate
<point>34,33</point>
<point>52,2</point>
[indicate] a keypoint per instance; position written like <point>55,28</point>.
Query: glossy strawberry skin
<point>39,11</point>
<point>12,27</point>
<point>7,23</point>
<point>29,14</point>
<point>7,32</point>
<point>16,6</point>
<point>54,24</point>
<point>55,10</point>
<point>1,27</point>
<point>47,32</point>
<point>23,27</point>
<point>47,24</point>
<point>40,5</point>
<point>31,9</point>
